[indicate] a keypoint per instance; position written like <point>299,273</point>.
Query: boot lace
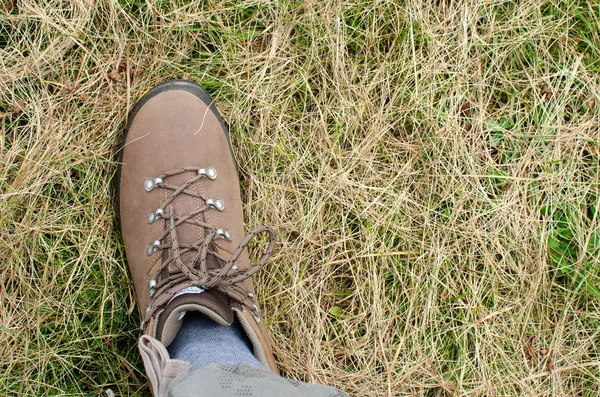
<point>194,273</point>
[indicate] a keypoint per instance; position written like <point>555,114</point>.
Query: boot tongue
<point>213,304</point>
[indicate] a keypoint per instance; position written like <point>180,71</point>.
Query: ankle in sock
<point>201,341</point>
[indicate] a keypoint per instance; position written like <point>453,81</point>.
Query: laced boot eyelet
<point>153,247</point>
<point>151,183</point>
<point>217,204</point>
<point>152,287</point>
<point>155,215</point>
<point>210,173</point>
<point>224,233</point>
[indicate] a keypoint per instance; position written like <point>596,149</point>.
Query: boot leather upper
<point>172,127</point>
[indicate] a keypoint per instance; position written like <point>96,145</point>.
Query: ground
<point>430,167</point>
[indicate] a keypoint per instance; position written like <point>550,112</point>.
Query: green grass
<point>431,168</point>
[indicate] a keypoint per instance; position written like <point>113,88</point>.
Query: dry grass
<point>431,168</point>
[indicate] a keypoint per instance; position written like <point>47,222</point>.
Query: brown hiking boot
<point>181,219</point>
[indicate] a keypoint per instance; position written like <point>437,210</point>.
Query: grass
<point>431,168</point>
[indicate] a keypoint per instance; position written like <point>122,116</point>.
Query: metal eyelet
<point>217,204</point>
<point>235,267</point>
<point>151,183</point>
<point>210,173</point>
<point>155,215</point>
<point>142,325</point>
<point>256,317</point>
<point>250,295</point>
<point>256,309</point>
<point>153,247</point>
<point>224,233</point>
<point>151,286</point>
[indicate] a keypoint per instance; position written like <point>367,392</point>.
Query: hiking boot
<point>181,218</point>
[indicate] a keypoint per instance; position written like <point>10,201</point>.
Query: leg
<point>182,224</point>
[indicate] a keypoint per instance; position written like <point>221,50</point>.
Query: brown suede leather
<point>173,126</point>
<point>260,331</point>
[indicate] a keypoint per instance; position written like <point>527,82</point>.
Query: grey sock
<point>201,341</point>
